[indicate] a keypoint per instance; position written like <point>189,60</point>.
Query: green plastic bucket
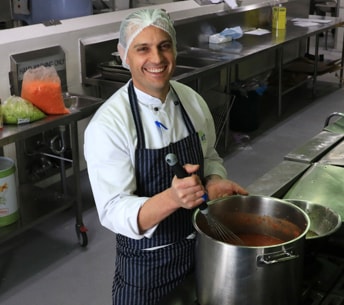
<point>8,192</point>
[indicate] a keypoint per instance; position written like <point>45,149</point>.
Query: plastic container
<point>8,192</point>
<point>279,17</point>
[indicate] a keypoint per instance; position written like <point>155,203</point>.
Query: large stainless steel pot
<point>271,275</point>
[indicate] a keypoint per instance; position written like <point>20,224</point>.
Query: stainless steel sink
<point>79,102</point>
<point>190,61</point>
<point>70,101</point>
<point>181,69</point>
<point>200,57</point>
<point>195,63</point>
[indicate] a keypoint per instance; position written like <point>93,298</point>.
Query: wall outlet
<point>21,7</point>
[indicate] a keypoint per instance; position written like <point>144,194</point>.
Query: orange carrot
<point>45,95</point>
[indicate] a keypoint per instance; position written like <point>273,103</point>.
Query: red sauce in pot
<point>254,230</point>
<point>259,240</point>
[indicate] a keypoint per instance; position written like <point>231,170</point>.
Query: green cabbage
<point>16,110</point>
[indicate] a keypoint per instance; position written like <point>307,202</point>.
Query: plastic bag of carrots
<point>42,87</point>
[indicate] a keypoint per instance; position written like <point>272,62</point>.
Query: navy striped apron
<point>143,277</point>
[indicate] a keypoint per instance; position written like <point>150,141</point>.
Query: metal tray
<point>335,156</point>
<point>323,184</point>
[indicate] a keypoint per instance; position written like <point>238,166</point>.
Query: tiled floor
<point>47,267</point>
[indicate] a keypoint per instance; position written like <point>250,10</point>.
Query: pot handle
<point>275,258</point>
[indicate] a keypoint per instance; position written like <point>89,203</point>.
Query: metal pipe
<point>56,157</point>
<point>60,152</point>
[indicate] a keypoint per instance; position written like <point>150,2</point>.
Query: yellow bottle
<point>279,17</point>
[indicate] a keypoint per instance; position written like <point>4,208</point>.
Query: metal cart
<point>36,204</point>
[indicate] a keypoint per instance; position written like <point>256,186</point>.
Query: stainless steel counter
<point>314,148</point>
<point>225,56</point>
<point>251,45</point>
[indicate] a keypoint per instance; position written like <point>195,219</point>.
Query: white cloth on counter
<point>305,24</point>
<point>110,143</point>
<point>309,22</point>
<point>315,20</point>
<point>231,3</point>
<point>258,32</point>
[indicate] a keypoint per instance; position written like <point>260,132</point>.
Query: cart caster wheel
<point>81,232</point>
<point>83,239</point>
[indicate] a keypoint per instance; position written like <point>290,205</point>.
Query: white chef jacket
<point>110,143</point>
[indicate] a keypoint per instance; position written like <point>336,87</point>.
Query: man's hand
<point>187,192</point>
<point>218,187</point>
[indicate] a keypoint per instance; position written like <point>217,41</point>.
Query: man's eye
<point>166,46</point>
<point>142,49</point>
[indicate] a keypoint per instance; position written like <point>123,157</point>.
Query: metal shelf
<point>37,204</point>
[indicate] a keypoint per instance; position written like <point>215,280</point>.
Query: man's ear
<point>121,52</point>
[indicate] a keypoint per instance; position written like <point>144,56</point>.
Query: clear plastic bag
<point>42,87</point>
<point>15,110</point>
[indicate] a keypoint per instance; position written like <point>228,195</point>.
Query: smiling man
<point>136,193</point>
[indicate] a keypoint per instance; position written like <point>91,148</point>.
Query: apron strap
<point>136,114</point>
<point>188,123</point>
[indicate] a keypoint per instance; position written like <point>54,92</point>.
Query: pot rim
<point>282,201</point>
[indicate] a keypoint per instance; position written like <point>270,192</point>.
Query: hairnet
<point>133,24</point>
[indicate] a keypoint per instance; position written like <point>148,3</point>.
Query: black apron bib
<point>143,277</point>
